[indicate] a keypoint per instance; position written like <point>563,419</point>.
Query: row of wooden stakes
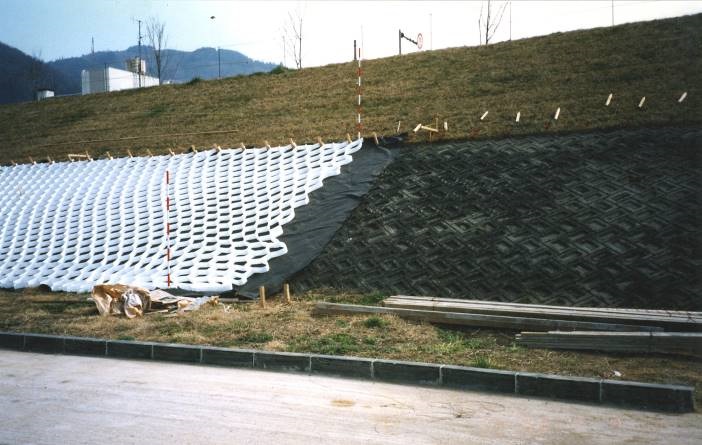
<point>262,295</point>
<point>72,157</point>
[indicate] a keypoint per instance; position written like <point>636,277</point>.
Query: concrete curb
<point>668,398</point>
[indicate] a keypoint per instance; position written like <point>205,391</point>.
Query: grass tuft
<point>483,362</point>
<point>375,322</point>
<point>256,337</point>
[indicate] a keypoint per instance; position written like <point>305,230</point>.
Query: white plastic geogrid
<point>73,225</point>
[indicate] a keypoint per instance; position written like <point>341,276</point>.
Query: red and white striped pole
<point>168,229</point>
<point>359,125</point>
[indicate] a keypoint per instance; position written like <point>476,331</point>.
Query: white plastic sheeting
<point>73,225</point>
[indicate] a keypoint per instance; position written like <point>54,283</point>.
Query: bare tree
<point>36,71</point>
<point>293,37</point>
<point>489,22</point>
<point>156,36</point>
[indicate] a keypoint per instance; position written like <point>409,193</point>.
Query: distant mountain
<point>21,75</point>
<point>181,66</point>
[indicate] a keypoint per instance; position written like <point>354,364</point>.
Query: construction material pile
<point>134,301</point>
<point>557,327</point>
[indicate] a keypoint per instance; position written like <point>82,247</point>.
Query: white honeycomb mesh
<point>73,225</point>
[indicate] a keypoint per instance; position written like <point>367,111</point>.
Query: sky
<point>52,29</point>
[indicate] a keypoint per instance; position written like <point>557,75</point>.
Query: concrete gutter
<point>645,396</point>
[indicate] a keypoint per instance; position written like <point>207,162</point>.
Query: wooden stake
<point>48,158</point>
<point>416,129</point>
<point>266,144</point>
<point>558,113</point>
<point>286,293</point>
<point>484,115</point>
<point>242,146</point>
<point>262,296</point>
<point>398,127</point>
<point>348,138</point>
<point>319,140</point>
<point>682,98</point>
<point>641,103</point>
<point>31,160</point>
<point>609,99</point>
<point>445,125</point>
<point>129,153</point>
<point>519,115</point>
<point>375,138</point>
<point>294,145</point>
<point>171,152</point>
<point>88,155</point>
<point>108,155</point>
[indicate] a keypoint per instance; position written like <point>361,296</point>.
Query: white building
<point>107,79</point>
<point>44,94</point>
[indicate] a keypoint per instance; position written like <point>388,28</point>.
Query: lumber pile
<point>681,321</point>
<point>477,320</point>
<point>684,343</point>
<point>555,327</point>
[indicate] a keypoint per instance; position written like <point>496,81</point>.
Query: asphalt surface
<point>51,399</point>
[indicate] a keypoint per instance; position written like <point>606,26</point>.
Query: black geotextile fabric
<point>315,224</point>
<point>599,219</point>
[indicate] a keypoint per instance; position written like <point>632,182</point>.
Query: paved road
<point>49,399</point>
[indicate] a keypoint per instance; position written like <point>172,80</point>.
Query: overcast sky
<point>64,28</point>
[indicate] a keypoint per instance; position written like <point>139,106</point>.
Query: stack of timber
<point>479,320</point>
<point>683,343</point>
<point>680,321</point>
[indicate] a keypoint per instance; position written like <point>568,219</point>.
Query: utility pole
<point>612,12</point>
<point>219,65</point>
<point>92,45</point>
<point>510,20</point>
<point>431,32</point>
<point>399,39</point>
<point>139,61</point>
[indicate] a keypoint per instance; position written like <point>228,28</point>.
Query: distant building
<point>44,94</point>
<point>108,79</point>
<point>134,64</point>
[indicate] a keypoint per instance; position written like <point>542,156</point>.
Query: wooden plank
<point>684,343</point>
<point>670,323</point>
<point>575,308</point>
<point>476,320</point>
<point>692,317</point>
<point>657,312</point>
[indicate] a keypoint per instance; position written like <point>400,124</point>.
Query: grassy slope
<point>574,71</point>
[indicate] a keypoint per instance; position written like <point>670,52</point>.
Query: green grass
<point>483,362</point>
<point>574,71</point>
<point>256,337</point>
<point>375,322</point>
